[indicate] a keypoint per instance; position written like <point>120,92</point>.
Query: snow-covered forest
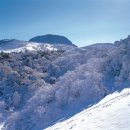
<point>38,87</point>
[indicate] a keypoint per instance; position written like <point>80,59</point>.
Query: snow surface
<point>31,47</point>
<point>111,113</point>
<point>1,125</point>
<point>18,46</point>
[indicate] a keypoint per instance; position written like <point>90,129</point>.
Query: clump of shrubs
<point>4,55</point>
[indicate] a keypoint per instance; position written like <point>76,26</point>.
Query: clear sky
<point>82,21</point>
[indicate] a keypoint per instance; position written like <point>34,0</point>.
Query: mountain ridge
<point>51,43</point>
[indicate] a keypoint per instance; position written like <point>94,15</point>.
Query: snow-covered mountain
<point>111,113</point>
<point>38,88</point>
<point>14,45</point>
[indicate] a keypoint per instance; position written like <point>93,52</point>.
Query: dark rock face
<point>51,39</point>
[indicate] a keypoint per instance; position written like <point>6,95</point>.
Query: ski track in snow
<point>111,113</point>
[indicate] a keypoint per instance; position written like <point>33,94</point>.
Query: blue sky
<point>82,21</point>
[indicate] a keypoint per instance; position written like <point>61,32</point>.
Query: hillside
<point>13,45</point>
<point>113,112</point>
<point>39,87</point>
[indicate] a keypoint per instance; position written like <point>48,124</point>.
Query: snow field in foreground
<point>111,113</point>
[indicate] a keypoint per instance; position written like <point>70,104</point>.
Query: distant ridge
<point>3,41</point>
<point>51,39</point>
<point>7,44</point>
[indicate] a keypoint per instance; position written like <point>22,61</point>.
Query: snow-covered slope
<point>18,46</point>
<point>31,47</point>
<point>37,88</point>
<point>111,113</point>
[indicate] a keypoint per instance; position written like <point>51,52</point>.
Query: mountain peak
<point>51,39</point>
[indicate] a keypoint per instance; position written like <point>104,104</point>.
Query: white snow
<point>111,113</point>
<point>31,47</point>
<point>18,46</point>
<point>1,126</point>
